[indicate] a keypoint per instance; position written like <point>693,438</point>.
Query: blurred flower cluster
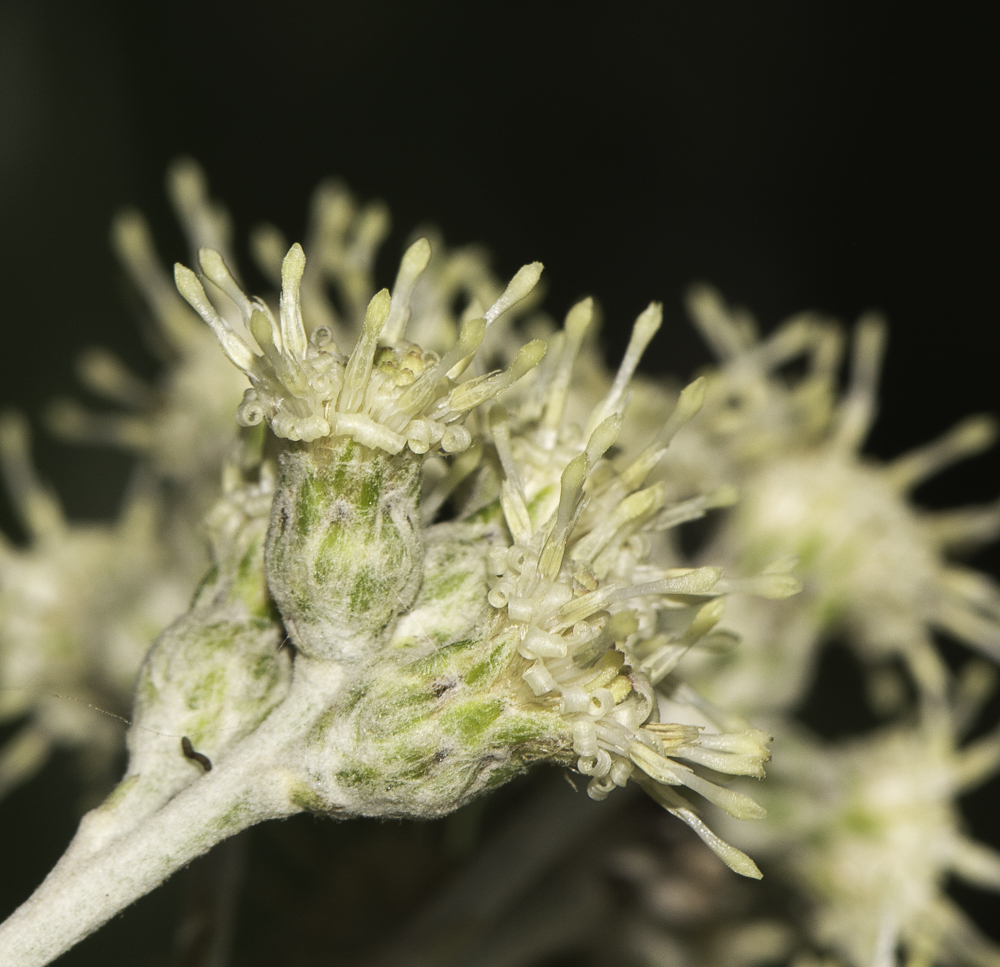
<point>435,540</point>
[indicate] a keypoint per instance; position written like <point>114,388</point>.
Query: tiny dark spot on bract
<point>439,688</point>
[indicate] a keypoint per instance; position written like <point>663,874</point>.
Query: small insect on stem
<point>188,750</point>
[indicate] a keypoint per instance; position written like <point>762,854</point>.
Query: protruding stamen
<point>359,366</point>
<point>512,496</point>
<point>460,468</point>
<point>672,773</point>
<point>293,332</point>
<point>217,272</point>
<point>413,264</point>
<point>977,761</point>
<point>971,436</point>
<point>730,332</point>
<point>677,806</point>
<point>646,326</point>
<point>37,505</point>
<point>68,419</point>
<point>700,580</point>
<point>790,340</point>
<point>235,348</point>
<point>205,222</point>
<point>635,507</point>
<point>688,404</point>
<point>133,244</point>
<point>857,412</point>
<point>666,658</point>
<point>678,581</point>
<point>772,585</point>
<point>417,396</point>
<point>104,373</point>
<point>570,488</point>
<point>975,863</point>
<point>695,508</point>
<point>980,630</point>
<point>519,287</point>
<point>965,528</point>
<point>577,321</point>
<point>603,438</point>
<point>476,391</point>
<point>268,246</point>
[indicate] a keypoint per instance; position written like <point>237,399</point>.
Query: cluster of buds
<point>425,575</point>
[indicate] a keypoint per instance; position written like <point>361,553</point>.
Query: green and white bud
<point>344,550</point>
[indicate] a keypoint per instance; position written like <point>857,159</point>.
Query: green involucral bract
<point>344,550</point>
<point>433,718</point>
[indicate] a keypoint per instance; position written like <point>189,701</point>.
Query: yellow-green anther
<point>603,438</point>
<point>205,222</point>
<point>235,348</point>
<point>417,396</point>
<point>359,366</point>
<point>471,394</point>
<point>525,279</point>
<point>38,507</point>
<point>692,581</point>
<point>413,263</point>
<point>636,506</point>
<point>720,328</point>
<point>578,319</point>
<point>706,618</point>
<point>646,326</point>
<point>690,401</point>
<point>105,374</point>
<point>266,337</point>
<point>461,466</point>
<point>268,246</point>
<point>512,493</point>
<point>217,272</point>
<point>570,486</point>
<point>293,332</point>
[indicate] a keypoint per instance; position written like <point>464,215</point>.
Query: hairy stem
<point>122,849</point>
<point>84,891</point>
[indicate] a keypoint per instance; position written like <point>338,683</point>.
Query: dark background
<point>795,155</point>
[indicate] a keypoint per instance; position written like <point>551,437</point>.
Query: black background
<point>795,155</point>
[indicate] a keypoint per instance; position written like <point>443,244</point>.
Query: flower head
<point>870,560</point>
<point>387,397</point>
<point>869,830</point>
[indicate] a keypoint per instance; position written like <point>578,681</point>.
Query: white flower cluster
<point>385,398</point>
<point>586,595</point>
<point>477,570</point>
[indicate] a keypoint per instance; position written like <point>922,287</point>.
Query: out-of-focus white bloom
<point>869,829</point>
<point>873,565</point>
<point>79,606</point>
<point>182,427</point>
